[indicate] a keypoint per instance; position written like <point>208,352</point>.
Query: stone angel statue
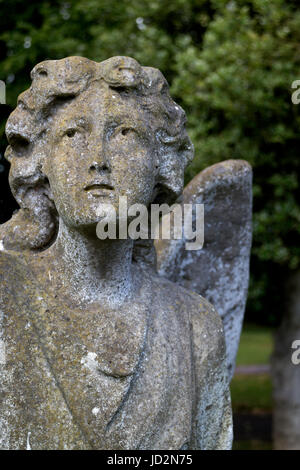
<point>220,270</point>
<point>98,348</point>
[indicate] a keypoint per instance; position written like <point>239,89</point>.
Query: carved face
<point>101,148</point>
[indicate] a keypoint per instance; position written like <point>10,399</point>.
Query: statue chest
<point>98,380</point>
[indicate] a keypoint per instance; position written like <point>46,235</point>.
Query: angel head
<point>86,133</point>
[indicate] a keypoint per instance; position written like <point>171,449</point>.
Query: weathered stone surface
<point>97,351</point>
<point>219,271</point>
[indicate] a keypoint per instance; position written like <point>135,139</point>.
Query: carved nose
<point>99,167</point>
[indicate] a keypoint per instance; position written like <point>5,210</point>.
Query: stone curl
<point>57,82</point>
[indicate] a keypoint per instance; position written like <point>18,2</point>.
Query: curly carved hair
<point>56,82</point>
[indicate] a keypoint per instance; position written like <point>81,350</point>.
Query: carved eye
<point>127,130</point>
<point>71,132</point>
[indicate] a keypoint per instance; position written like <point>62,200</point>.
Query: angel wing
<point>220,270</point>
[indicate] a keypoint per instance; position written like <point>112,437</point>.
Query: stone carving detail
<point>220,270</point>
<point>97,351</point>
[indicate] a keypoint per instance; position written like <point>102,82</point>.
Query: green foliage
<point>96,29</point>
<point>230,65</point>
<point>236,88</point>
<point>252,445</point>
<point>256,345</point>
<point>251,392</point>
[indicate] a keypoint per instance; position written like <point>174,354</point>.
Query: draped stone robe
<point>149,377</point>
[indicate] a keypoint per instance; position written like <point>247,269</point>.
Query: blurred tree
<point>236,89</point>
<point>97,29</point>
<point>286,371</point>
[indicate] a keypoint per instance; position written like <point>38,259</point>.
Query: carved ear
<point>34,225</point>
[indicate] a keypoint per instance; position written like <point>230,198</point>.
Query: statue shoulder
<point>212,421</point>
<point>207,327</point>
<point>206,324</point>
<point>212,427</point>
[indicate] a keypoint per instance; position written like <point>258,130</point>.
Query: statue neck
<point>94,270</point>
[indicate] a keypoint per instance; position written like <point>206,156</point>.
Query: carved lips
<point>99,189</point>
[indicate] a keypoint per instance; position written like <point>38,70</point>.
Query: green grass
<point>255,346</point>
<point>251,445</point>
<point>253,393</point>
